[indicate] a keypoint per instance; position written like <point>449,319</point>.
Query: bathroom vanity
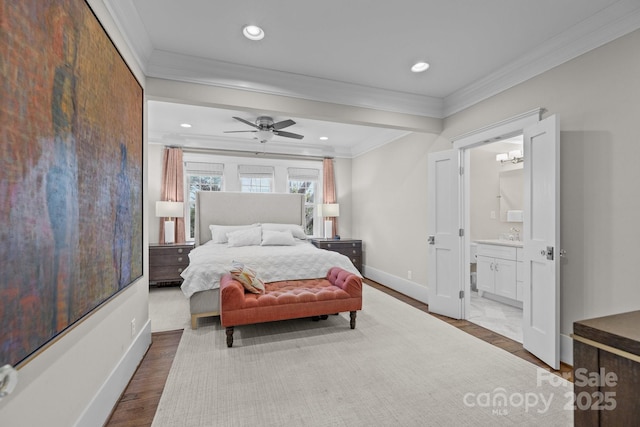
<point>500,269</point>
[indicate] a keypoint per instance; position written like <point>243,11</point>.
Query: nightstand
<point>167,261</point>
<point>349,247</point>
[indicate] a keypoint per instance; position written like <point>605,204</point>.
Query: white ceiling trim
<point>619,19</point>
<point>250,145</point>
<point>175,66</point>
<point>613,22</point>
<point>125,16</point>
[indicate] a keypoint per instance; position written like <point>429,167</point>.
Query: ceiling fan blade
<point>283,124</point>
<point>246,122</point>
<point>236,131</point>
<point>288,134</point>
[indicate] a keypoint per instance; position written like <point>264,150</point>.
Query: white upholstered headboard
<point>234,208</point>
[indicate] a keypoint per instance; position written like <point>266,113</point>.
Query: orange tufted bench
<point>292,299</point>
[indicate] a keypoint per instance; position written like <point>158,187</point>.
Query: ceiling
<point>355,52</point>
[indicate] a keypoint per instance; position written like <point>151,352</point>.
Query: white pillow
<point>247,237</point>
<point>277,238</point>
<point>296,230</point>
<point>219,232</point>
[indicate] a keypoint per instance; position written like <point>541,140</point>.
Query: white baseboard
<point>566,349</point>
<point>404,286</point>
<point>100,407</point>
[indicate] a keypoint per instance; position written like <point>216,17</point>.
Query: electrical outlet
<point>133,327</point>
<point>409,275</point>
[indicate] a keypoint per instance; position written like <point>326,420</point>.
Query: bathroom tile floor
<point>501,318</point>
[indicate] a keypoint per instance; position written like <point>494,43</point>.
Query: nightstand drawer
<point>174,259</point>
<point>166,273</point>
<point>166,262</point>
<point>347,247</point>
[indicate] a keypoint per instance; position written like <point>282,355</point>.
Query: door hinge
<point>461,294</point>
<point>461,232</point>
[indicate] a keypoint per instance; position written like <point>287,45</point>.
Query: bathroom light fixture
<point>419,67</point>
<point>514,156</point>
<point>253,32</point>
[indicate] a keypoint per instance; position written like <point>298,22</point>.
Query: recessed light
<point>324,138</point>
<point>419,67</point>
<point>185,125</point>
<point>253,32</point>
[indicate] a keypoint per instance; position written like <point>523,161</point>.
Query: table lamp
<point>169,210</point>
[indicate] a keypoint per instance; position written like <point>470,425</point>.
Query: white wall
<point>78,378</point>
<point>597,97</point>
<point>390,204</point>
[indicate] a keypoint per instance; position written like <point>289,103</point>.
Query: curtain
<point>172,187</point>
<point>329,189</point>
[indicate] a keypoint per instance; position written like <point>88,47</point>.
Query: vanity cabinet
<point>498,270</point>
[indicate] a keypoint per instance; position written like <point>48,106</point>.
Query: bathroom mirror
<point>511,191</point>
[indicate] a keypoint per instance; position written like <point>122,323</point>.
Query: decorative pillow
<point>247,237</point>
<point>277,238</point>
<point>247,277</point>
<point>219,232</point>
<point>296,230</point>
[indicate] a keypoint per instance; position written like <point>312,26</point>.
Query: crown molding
<point>186,68</point>
<point>128,22</point>
<point>206,142</point>
<point>617,20</point>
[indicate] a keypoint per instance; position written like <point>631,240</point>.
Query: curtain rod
<point>239,153</point>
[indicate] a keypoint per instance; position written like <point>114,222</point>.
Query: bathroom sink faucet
<point>517,233</point>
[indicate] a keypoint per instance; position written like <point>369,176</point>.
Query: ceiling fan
<point>266,128</point>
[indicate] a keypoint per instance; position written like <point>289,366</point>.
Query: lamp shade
<point>330,210</point>
<point>169,209</point>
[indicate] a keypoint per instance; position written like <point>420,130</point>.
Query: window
<point>201,177</point>
<point>255,178</point>
<point>305,181</point>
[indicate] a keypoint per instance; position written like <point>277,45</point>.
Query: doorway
<point>448,219</point>
<point>496,207</point>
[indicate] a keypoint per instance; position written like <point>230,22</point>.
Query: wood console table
<point>606,371</point>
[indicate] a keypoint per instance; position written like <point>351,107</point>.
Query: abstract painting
<point>70,171</point>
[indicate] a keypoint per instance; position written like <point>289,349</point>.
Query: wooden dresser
<point>167,261</point>
<point>606,359</point>
<point>349,247</point>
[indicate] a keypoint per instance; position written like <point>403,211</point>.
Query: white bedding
<point>209,262</point>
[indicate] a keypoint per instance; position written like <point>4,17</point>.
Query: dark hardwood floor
<point>137,405</point>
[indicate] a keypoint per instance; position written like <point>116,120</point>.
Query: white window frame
<point>198,169</point>
<point>311,175</point>
<point>256,174</point>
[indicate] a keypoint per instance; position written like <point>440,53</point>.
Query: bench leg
<point>229,336</point>
<point>352,314</point>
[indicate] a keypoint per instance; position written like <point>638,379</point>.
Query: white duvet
<point>209,262</point>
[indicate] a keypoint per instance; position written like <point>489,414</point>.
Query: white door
<point>443,226</point>
<point>541,238</point>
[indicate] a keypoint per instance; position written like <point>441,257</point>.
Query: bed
<point>212,258</point>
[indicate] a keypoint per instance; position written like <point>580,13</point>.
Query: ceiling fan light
<point>253,32</point>
<point>264,135</point>
<point>419,67</point>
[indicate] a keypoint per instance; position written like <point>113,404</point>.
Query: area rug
<point>400,366</point>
